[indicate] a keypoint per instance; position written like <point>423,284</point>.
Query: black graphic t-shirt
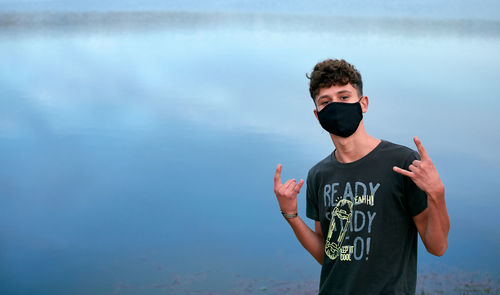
<point>365,210</point>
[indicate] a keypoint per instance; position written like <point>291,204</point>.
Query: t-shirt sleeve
<point>416,198</point>
<point>312,210</point>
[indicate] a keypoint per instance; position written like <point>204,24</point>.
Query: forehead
<point>336,90</point>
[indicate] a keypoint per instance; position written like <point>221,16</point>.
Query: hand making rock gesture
<point>423,173</point>
<point>286,193</point>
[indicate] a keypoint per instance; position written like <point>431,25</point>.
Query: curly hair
<point>332,72</point>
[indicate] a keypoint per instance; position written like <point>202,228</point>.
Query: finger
<point>412,168</point>
<point>277,178</point>
<point>416,163</point>
<point>420,148</point>
<point>403,171</point>
<point>289,183</point>
<point>298,186</point>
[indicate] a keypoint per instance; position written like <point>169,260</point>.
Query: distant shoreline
<point>29,22</point>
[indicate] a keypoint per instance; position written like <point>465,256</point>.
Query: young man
<point>369,197</point>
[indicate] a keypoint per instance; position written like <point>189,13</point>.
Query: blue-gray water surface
<point>138,149</point>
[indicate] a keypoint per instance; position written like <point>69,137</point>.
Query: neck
<point>354,147</point>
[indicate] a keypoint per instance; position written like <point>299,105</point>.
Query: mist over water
<point>138,147</point>
<point>116,21</point>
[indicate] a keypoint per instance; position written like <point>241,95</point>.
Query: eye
<point>344,97</point>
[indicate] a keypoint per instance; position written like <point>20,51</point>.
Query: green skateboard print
<point>342,212</point>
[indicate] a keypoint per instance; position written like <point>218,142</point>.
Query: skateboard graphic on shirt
<point>342,212</point>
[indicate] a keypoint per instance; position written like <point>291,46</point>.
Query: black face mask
<point>341,118</point>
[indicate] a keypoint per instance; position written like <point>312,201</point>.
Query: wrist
<point>437,195</point>
<point>289,214</point>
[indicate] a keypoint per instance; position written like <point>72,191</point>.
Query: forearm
<point>287,199</point>
<point>310,240</point>
<point>438,224</point>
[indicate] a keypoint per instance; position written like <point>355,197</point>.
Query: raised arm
<point>433,224</point>
<point>286,194</point>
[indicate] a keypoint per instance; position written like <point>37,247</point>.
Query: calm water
<point>138,150</point>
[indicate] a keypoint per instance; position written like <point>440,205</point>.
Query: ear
<point>364,103</point>
<point>316,114</point>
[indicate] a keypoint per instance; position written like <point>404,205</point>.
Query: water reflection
<point>140,160</point>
